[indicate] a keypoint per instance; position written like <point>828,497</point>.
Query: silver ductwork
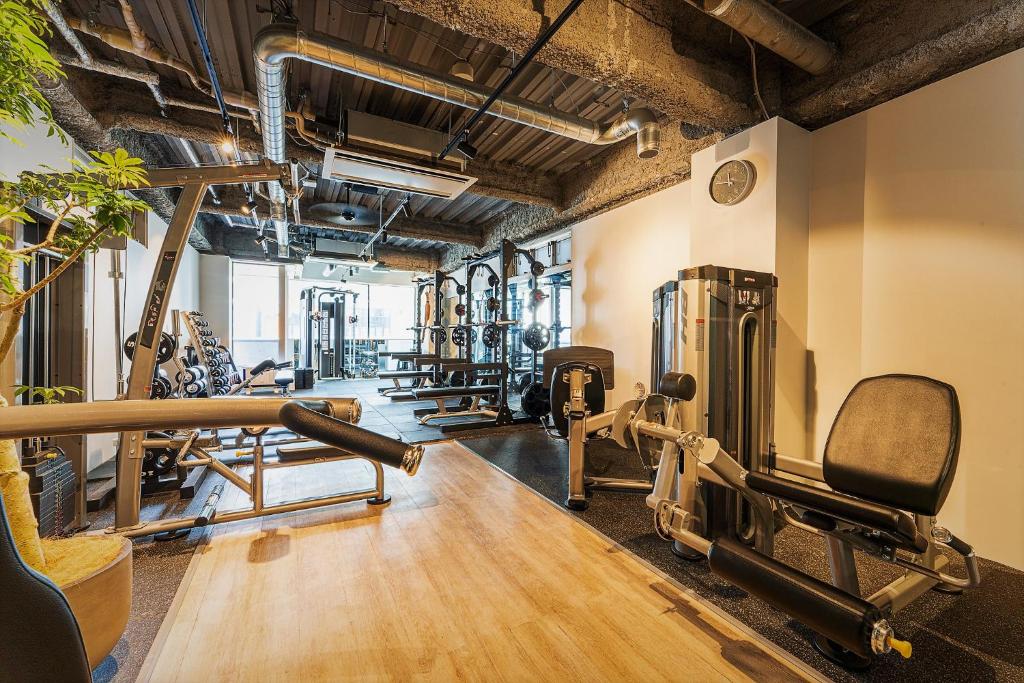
<point>768,26</point>
<point>279,42</point>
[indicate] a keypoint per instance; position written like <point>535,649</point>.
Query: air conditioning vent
<point>366,169</point>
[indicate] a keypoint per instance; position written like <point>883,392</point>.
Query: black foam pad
<point>843,618</point>
<point>262,366</point>
<point>678,385</point>
<point>593,392</point>
<point>306,419</point>
<point>896,441</point>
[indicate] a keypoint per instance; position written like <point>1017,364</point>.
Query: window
<point>255,312</point>
<point>383,312</point>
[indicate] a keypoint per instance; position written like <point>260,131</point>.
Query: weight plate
<point>459,336</point>
<point>460,310</point>
<point>493,304</point>
<point>438,335</point>
<point>493,280</point>
<point>460,289</point>
<point>535,401</point>
<point>492,336</point>
<point>537,337</point>
<point>537,268</point>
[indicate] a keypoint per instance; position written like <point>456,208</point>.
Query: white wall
<point>618,259</point>
<point>767,232</point>
<point>917,265</point>
<point>215,294</point>
<point>137,263</point>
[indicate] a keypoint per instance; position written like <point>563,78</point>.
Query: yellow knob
<point>902,646</point>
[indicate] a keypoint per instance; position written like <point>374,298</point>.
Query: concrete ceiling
<point>668,55</point>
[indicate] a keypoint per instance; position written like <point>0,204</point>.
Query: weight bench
<point>421,377</point>
<point>311,453</point>
<point>474,393</point>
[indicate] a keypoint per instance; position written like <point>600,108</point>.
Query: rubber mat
<point>978,636</point>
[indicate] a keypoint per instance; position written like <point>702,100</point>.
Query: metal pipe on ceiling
<point>65,31</point>
<point>511,76</point>
<point>279,42</point>
<point>775,30</point>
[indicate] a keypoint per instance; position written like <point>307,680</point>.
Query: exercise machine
<point>133,417</point>
<point>323,338</point>
<point>721,491</point>
<point>576,378</point>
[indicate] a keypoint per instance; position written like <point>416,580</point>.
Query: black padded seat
<point>444,392</point>
<point>898,526</point>
<point>405,374</point>
<point>42,641</point>
<point>602,358</point>
<point>896,441</point>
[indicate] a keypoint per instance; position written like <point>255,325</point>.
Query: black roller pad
<point>302,419</point>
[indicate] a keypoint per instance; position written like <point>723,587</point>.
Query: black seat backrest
<point>41,640</point>
<point>896,441</point>
<point>602,358</point>
<point>593,392</point>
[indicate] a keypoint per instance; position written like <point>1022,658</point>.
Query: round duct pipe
<point>279,42</point>
<point>766,25</point>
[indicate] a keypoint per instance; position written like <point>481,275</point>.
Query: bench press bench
<point>420,377</point>
<point>474,393</point>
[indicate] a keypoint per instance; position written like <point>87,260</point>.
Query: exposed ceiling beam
<point>240,243</point>
<point>611,179</point>
<point>78,122</point>
<point>626,45</point>
<point>232,198</point>
<point>124,110</point>
<point>888,49</point>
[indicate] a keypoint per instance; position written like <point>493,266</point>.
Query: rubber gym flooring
<point>978,636</point>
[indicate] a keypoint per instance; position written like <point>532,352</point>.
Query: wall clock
<point>732,182</point>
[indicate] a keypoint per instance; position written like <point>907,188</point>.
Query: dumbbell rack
<point>221,371</point>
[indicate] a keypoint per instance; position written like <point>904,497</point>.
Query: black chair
<point>40,637</point>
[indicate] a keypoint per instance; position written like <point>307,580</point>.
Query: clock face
<point>732,182</point>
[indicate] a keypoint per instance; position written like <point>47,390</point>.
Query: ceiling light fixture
<point>227,145</point>
<point>249,207</point>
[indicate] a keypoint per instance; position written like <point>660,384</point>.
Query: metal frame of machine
<point>133,414</point>
<point>718,326</point>
<point>325,335</point>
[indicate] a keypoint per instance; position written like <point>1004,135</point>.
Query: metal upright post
<point>129,447</point>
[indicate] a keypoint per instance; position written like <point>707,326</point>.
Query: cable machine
<point>323,342</point>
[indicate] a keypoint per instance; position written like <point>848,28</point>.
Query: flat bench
<point>420,378</point>
<point>405,374</point>
<point>454,392</point>
<point>440,394</point>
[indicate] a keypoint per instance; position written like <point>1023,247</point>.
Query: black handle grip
<point>309,419</point>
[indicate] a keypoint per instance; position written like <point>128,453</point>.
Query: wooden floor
<point>467,575</point>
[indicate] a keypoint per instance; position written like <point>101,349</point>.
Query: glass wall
<point>255,312</point>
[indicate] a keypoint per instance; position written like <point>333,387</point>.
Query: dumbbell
<point>195,388</point>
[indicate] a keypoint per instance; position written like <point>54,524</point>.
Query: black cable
<point>516,70</point>
<point>204,47</point>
